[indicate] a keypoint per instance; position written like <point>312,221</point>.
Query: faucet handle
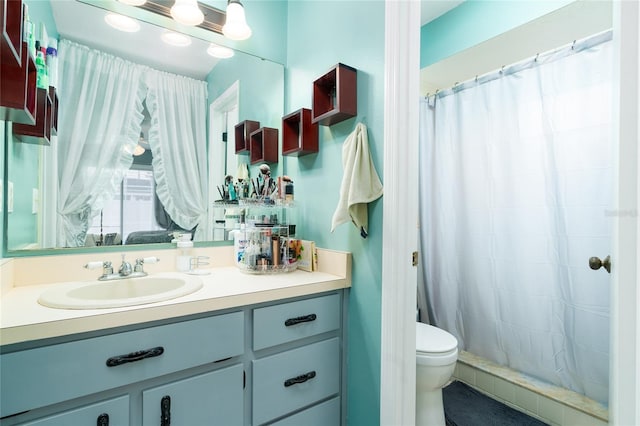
<point>142,260</point>
<point>107,269</point>
<point>125,268</point>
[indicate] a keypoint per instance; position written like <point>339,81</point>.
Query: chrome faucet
<point>125,271</point>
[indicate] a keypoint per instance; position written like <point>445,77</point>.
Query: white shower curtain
<point>177,137</point>
<point>100,114</point>
<point>515,184</point>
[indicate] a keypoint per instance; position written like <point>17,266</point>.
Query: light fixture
<point>176,39</point>
<point>235,26</point>
<point>187,12</point>
<point>133,2</point>
<point>122,23</point>
<point>219,51</point>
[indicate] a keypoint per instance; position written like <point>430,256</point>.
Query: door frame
<point>624,367</point>
<point>397,375</point>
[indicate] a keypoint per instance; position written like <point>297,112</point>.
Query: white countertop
<point>23,319</point>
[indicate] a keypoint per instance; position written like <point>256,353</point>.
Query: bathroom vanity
<point>243,350</point>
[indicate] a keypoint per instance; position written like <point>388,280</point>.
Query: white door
<point>398,281</point>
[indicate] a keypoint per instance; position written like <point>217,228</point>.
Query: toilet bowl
<point>436,356</point>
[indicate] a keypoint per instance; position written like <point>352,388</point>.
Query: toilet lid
<point>431,339</point>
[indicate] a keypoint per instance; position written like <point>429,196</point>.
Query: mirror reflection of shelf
<point>243,132</point>
<point>40,132</point>
<point>335,96</point>
<point>18,87</point>
<point>299,133</point>
<point>264,145</point>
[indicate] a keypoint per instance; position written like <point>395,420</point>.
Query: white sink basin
<point>119,293</point>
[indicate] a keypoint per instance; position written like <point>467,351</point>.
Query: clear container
<point>266,250</point>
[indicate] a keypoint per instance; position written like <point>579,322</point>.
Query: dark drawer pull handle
<point>103,419</point>
<point>165,411</point>
<point>114,361</point>
<point>300,379</point>
<point>298,320</point>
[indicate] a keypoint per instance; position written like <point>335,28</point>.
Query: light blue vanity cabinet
<point>302,361</point>
<point>214,398</point>
<point>111,412</point>
<point>277,362</point>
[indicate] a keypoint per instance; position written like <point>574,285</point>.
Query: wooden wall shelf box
<point>11,18</point>
<point>18,89</point>
<point>299,134</point>
<point>243,132</point>
<point>264,145</point>
<point>335,96</point>
<point>39,133</point>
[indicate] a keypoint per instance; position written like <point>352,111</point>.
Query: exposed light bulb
<point>219,51</point>
<point>176,39</point>
<point>235,26</point>
<point>133,2</point>
<point>122,23</point>
<point>187,12</point>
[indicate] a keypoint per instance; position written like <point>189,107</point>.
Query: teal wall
<point>23,172</point>
<point>261,92</point>
<point>40,12</point>
<point>475,21</point>
<point>321,34</point>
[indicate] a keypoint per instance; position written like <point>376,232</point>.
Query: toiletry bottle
<point>185,253</point>
<point>240,242</point>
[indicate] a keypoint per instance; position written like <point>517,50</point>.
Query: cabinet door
<point>114,412</point>
<point>214,398</point>
<point>325,414</point>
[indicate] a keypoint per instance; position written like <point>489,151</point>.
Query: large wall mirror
<point>242,87</point>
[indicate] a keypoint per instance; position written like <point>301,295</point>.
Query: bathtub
<point>548,403</point>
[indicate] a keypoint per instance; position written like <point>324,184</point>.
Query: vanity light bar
<point>214,18</point>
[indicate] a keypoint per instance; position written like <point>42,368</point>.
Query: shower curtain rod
<point>549,56</point>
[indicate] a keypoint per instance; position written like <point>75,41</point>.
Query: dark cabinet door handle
<point>298,320</point>
<point>165,411</point>
<point>103,419</point>
<point>300,379</point>
<point>114,361</point>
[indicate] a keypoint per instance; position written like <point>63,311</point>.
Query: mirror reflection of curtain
<point>100,114</point>
<point>177,138</point>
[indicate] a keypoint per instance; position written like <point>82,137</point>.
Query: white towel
<point>360,182</point>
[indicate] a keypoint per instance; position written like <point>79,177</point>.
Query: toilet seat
<point>435,346</point>
<point>433,340</point>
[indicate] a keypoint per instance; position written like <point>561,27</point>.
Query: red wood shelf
<point>39,133</point>
<point>18,89</point>
<point>335,95</point>
<point>299,133</point>
<point>54,110</point>
<point>11,21</point>
<point>243,132</point>
<point>264,146</point>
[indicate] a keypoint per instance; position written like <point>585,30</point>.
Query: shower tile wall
<point>551,404</point>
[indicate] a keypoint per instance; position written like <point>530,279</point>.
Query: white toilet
<point>436,355</point>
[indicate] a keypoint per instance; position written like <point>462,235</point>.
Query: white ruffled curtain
<point>99,126</point>
<point>516,178</point>
<point>177,137</point>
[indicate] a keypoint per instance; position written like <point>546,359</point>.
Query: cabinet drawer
<point>37,377</point>
<point>116,410</point>
<point>295,379</point>
<point>325,414</point>
<point>274,325</point>
<point>214,398</point>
